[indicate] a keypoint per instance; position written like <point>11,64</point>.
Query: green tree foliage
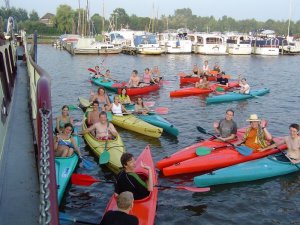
<point>120,18</point>
<point>65,19</point>
<point>33,16</point>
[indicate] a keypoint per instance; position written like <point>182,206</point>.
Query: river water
<point>269,201</point>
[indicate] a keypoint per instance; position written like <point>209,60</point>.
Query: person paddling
<point>293,144</point>
<point>128,180</point>
<point>121,215</point>
<point>256,136</point>
<point>226,127</point>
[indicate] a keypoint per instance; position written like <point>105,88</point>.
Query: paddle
<point>86,180</point>
<point>87,164</point>
<point>65,217</point>
<point>73,107</point>
<point>244,150</point>
<point>161,110</point>
<point>92,70</point>
<point>105,156</point>
<point>203,150</point>
<point>192,189</point>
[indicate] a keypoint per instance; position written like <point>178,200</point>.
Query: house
<point>47,19</point>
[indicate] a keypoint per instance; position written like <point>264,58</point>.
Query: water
<point>270,201</point>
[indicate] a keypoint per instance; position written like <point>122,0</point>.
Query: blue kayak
<point>108,84</point>
<point>233,96</point>
<point>64,167</point>
<point>271,166</point>
<point>155,120</point>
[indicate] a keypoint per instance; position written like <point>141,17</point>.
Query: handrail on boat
<point>40,98</point>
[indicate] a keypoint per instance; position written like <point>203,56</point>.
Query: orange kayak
<point>144,209</point>
<point>198,91</point>
<point>190,151</point>
<point>218,158</point>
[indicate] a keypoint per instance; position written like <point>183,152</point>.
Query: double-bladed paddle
<point>86,180</point>
<point>105,156</point>
<point>244,150</point>
<point>203,150</point>
<point>66,217</point>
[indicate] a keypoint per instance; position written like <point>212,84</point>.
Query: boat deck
<point>19,189</point>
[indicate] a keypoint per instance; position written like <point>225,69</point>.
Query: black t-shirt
<point>126,182</point>
<point>222,81</point>
<point>118,218</point>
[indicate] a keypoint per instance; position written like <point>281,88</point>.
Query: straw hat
<point>253,118</point>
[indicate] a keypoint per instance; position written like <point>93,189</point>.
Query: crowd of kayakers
<point>129,185</point>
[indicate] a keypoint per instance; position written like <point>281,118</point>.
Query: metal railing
<point>41,108</point>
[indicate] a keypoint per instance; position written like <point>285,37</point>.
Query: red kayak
<point>190,151</point>
<point>198,91</point>
<point>140,90</point>
<point>144,209</point>
<point>189,79</point>
<point>217,159</point>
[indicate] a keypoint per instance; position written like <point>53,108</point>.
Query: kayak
<point>64,167</point>
<point>217,159</point>
<point>115,148</point>
<point>197,91</point>
<point>190,151</point>
<point>232,96</point>
<point>271,166</point>
<point>158,121</point>
<point>133,123</point>
<point>189,79</point>
<point>140,90</point>
<point>107,84</point>
<point>155,120</point>
<point>144,209</point>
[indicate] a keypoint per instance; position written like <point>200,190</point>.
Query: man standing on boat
<point>226,127</point>
<point>128,180</point>
<point>121,216</point>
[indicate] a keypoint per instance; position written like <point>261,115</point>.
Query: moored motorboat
<point>271,166</point>
<point>144,209</point>
<point>233,96</point>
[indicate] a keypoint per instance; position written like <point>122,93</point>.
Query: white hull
<point>239,49</point>
<point>270,51</point>
<point>178,47</point>
<point>211,49</point>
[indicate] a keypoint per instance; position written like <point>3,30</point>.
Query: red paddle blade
<point>92,70</point>
<point>149,104</point>
<point>83,179</point>
<point>193,189</point>
<point>162,110</point>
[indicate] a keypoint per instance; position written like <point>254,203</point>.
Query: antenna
<point>7,4</point>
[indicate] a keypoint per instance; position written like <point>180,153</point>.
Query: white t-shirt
<point>117,109</point>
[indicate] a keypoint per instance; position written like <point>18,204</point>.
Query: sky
<point>260,10</point>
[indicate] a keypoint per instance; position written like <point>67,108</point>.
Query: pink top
<point>147,78</point>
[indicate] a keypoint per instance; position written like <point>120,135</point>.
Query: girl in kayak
<point>140,108</point>
<point>101,96</point>
<point>293,144</point>
<point>128,180</point>
<point>124,97</point>
<point>156,74</point>
<point>64,143</point>
<point>256,136</point>
<point>203,83</point>
<point>63,119</point>
<point>245,88</point>
<point>195,70</point>
<point>117,108</point>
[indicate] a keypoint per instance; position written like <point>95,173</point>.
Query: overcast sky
<point>260,10</point>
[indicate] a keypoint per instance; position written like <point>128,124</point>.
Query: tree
<point>64,18</point>
<point>33,16</point>
<point>119,18</point>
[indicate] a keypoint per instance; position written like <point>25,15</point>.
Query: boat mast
<point>103,20</point>
<point>79,19</point>
<point>288,34</point>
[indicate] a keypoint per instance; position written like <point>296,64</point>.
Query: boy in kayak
<point>93,116</point>
<point>104,129</point>
<point>223,81</point>
<point>245,88</point>
<point>293,144</point>
<point>121,215</point>
<point>257,135</point>
<point>128,180</point>
<point>226,127</point>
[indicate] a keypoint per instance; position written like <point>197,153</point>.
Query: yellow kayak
<point>115,148</point>
<point>131,122</point>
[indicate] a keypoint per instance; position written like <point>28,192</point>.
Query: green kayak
<point>233,96</point>
<point>64,167</point>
